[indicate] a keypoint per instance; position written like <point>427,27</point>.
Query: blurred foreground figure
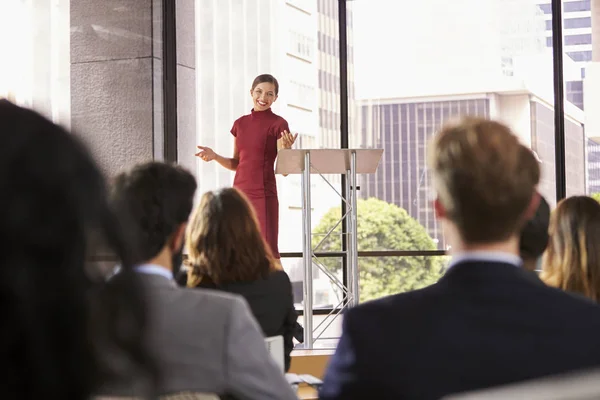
<point>58,315</point>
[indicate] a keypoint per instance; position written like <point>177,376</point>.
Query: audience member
<point>487,321</point>
<point>534,237</point>
<point>59,317</point>
<point>205,341</point>
<point>226,251</point>
<point>572,261</point>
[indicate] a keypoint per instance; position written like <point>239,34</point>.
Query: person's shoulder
<point>280,275</point>
<point>278,118</point>
<point>397,304</point>
<point>242,118</point>
<point>571,302</point>
<point>212,297</point>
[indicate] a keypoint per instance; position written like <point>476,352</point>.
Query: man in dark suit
<point>488,321</point>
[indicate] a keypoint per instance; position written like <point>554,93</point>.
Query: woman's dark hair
<point>59,314</point>
<point>224,241</point>
<point>266,78</point>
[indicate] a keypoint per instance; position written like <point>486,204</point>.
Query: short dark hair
<point>268,79</point>
<point>59,317</point>
<point>154,198</point>
<point>534,236</point>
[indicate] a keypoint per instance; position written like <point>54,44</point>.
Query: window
<point>573,6</point>
<point>572,40</point>
<point>303,95</point>
<point>301,45</point>
<point>580,56</point>
<point>568,6</point>
<point>400,100</point>
<point>574,23</point>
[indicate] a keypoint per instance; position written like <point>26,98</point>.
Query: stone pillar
<point>116,78</point>
<point>186,83</point>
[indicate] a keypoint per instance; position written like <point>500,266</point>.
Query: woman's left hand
<point>288,139</point>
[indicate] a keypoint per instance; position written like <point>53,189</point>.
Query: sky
<point>422,47</point>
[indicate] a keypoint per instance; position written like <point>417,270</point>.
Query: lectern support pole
<point>307,250</point>
<point>353,234</point>
<point>348,239</point>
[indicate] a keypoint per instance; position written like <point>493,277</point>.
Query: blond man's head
<point>485,179</point>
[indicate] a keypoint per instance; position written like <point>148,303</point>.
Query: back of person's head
<point>156,199</point>
<point>485,179</point>
<point>534,236</point>
<point>58,314</point>
<point>224,240</point>
<point>572,260</point>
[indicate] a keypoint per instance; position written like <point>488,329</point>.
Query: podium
<point>348,162</point>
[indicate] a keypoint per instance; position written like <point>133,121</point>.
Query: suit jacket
<point>208,341</point>
<point>482,325</point>
<point>272,303</point>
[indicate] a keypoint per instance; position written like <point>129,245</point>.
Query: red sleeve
<point>234,128</point>
<point>282,125</point>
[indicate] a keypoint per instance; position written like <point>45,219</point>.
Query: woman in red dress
<point>258,137</point>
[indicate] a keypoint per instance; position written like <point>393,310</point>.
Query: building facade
<point>404,127</point>
<point>577,40</point>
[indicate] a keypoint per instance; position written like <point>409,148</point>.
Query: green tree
<point>383,226</point>
<point>595,196</point>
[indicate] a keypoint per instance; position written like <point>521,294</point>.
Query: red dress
<point>256,135</point>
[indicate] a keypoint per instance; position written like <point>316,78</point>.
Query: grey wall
<point>186,83</point>
<point>116,98</point>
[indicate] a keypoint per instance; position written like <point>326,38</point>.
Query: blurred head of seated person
<point>59,314</point>
<point>155,199</point>
<point>204,341</point>
<point>534,237</point>
<point>226,251</point>
<point>485,180</point>
<point>487,321</point>
<point>224,243</point>
<point>572,261</point>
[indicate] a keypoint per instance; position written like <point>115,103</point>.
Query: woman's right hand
<point>206,153</point>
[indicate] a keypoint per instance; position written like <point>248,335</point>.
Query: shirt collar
<point>486,256</point>
<point>153,269</point>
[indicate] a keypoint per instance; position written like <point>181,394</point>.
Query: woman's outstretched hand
<point>288,139</point>
<point>206,153</point>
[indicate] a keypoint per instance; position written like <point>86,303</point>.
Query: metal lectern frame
<point>328,161</point>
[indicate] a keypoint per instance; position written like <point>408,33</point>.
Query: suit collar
<point>479,272</point>
<point>157,280</point>
<point>486,256</point>
<point>153,269</point>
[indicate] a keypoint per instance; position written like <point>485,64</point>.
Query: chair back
<point>275,347</point>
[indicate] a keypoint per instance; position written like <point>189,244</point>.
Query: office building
<point>404,126</point>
